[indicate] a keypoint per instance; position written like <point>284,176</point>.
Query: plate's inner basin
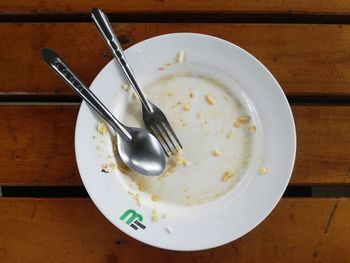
<point>217,130</point>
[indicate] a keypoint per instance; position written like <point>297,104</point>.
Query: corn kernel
<point>141,187</point>
<point>186,107</point>
<point>210,99</point>
<point>181,56</point>
<point>155,215</point>
<point>237,124</point>
<point>102,128</point>
<point>155,198</point>
<point>244,118</point>
<point>227,175</point>
<point>124,86</point>
<point>262,170</point>
<point>217,153</point>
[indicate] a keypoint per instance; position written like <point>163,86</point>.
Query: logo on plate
<point>133,219</point>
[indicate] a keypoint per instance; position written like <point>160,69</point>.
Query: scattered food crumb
<point>170,93</point>
<point>186,163</point>
<point>141,187</point>
<point>169,230</point>
<point>252,128</point>
<point>155,198</point>
<point>262,170</point>
<point>186,107</point>
<point>217,153</point>
<point>230,135</point>
<point>135,196</point>
<point>200,114</point>
<point>191,94</point>
<point>168,64</point>
<point>124,168</point>
<point>104,171</point>
<point>181,56</point>
<point>155,215</point>
<point>102,128</point>
<point>134,95</point>
<point>210,99</point>
<point>113,165</point>
<point>237,124</point>
<point>227,175</point>
<point>160,68</point>
<point>172,169</point>
<point>244,118</point>
<point>124,86</point>
<point>176,160</point>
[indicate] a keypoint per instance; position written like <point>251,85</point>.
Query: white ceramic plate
<point>196,209</point>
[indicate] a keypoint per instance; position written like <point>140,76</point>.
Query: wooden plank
<point>306,59</point>
<point>323,142</point>
<point>72,230</point>
<point>37,145</point>
<point>167,6</point>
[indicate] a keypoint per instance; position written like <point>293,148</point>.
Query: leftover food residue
<point>206,128</point>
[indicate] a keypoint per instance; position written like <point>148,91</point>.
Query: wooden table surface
<point>45,214</point>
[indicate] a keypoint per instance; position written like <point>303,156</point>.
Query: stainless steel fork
<point>153,117</point>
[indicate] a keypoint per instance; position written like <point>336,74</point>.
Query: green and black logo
<point>134,220</point>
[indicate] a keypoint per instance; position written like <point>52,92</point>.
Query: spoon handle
<point>105,29</point>
<point>61,68</point>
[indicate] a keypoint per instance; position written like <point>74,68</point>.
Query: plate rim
<point>283,96</point>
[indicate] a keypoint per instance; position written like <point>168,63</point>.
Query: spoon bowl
<point>144,149</point>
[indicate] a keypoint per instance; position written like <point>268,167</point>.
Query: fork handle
<point>61,68</point>
<point>104,27</point>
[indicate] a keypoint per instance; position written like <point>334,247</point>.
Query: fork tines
<point>161,131</point>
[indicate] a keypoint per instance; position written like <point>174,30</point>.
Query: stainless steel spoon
<point>138,148</point>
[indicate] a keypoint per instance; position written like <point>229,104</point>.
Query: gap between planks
<point>32,99</point>
<point>183,17</point>
<point>336,191</point>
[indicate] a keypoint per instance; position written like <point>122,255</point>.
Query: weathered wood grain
<point>73,230</point>
<point>37,145</point>
<point>305,59</point>
<point>168,6</point>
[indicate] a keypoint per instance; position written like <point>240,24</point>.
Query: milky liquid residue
<point>217,147</point>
